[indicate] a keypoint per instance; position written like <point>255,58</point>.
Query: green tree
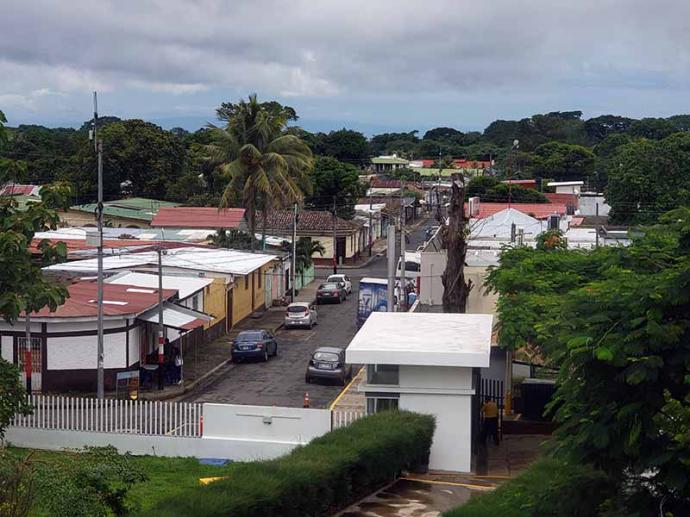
<point>346,145</point>
<point>23,285</point>
<point>233,239</point>
<point>491,190</point>
<point>599,128</point>
<point>617,323</point>
<point>403,144</point>
<point>264,167</point>
<point>332,179</point>
<point>563,161</point>
<point>647,178</point>
<point>652,128</point>
<point>133,151</point>
<point>305,251</point>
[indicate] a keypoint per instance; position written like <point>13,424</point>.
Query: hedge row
<point>324,475</point>
<point>548,488</point>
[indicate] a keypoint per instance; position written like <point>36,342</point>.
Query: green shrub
<point>548,488</point>
<point>318,478</point>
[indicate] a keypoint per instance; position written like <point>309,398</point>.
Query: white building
<point>567,187</point>
<point>63,347</point>
<point>423,362</point>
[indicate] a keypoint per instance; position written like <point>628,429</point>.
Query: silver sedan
<point>301,314</point>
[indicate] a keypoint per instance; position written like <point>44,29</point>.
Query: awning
<point>177,317</point>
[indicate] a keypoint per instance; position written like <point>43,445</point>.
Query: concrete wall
<point>451,448</point>
<point>447,377</point>
<point>7,348</point>
<point>431,287</point>
<point>239,433</point>
<point>588,205</point>
<point>479,301</point>
<point>265,423</point>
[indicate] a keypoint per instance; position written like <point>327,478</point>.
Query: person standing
<point>490,427</point>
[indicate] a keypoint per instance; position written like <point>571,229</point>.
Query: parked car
<point>331,292</point>
<point>328,363</point>
<point>301,314</point>
<point>342,279</point>
<point>254,344</point>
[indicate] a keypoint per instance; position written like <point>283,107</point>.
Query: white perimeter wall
<point>435,377</point>
<point>240,433</point>
<point>452,444</point>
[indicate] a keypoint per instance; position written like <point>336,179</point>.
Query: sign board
<point>127,384</point>
<point>373,297</point>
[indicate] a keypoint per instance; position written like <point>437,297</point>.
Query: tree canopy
<point>616,321</point>
<point>331,179</point>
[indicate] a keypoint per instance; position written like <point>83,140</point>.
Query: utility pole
<point>98,147</point>
<point>371,228</point>
<point>161,328</point>
<point>596,226</point>
<point>335,239</point>
<point>403,287</point>
<point>391,267</point>
<point>293,264</point>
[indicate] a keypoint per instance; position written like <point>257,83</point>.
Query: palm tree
<point>266,168</point>
<point>306,248</point>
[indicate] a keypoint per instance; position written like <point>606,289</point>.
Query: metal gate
<point>35,358</point>
<point>493,389</point>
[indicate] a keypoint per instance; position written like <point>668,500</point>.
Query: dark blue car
<point>254,344</point>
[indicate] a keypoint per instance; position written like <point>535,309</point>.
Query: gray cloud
<point>334,49</point>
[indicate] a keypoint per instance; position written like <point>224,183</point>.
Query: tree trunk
<point>264,213</point>
<point>456,289</point>
<point>252,223</point>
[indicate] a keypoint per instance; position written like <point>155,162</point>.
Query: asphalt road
<point>280,381</point>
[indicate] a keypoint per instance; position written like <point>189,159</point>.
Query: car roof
<point>255,331</point>
<point>334,275</point>
<point>299,304</point>
<point>331,349</point>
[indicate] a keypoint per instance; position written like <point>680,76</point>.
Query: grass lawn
<point>166,475</point>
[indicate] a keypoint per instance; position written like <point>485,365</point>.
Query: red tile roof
<point>536,210</point>
<point>17,190</point>
<point>198,217</point>
<point>523,183</point>
<point>310,221</point>
<point>82,295</point>
<point>563,199</point>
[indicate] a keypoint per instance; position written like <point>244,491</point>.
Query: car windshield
<point>335,279</point>
<point>250,336</point>
<point>329,286</point>
<point>297,308</point>
<point>325,356</point>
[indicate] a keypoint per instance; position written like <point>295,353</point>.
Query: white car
<point>301,314</point>
<point>343,279</point>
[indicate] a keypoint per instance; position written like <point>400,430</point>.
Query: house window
<point>195,302</point>
<point>35,353</point>
<point>377,402</point>
<point>246,282</point>
<point>383,374</point>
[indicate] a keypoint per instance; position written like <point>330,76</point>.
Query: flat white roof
<point>564,183</point>
<point>423,339</point>
<point>184,285</point>
<point>225,261</point>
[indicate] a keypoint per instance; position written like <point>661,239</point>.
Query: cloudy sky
<point>369,64</point>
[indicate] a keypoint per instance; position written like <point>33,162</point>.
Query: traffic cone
<point>306,400</point>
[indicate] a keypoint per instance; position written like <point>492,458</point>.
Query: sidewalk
<point>211,359</point>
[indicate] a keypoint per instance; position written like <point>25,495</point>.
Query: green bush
<point>318,478</point>
<point>548,488</point>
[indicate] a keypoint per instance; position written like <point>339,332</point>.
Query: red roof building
<point>194,217</point>
<point>118,300</point>
<point>536,210</point>
<point>571,201</point>
<point>11,189</point>
<point>522,183</point>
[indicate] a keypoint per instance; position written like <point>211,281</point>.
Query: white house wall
<point>447,377</point>
<point>134,347</point>
<point>7,347</point>
<point>433,263</point>
<point>79,352</point>
<point>452,444</point>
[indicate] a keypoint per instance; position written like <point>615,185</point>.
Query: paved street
<point>280,382</point>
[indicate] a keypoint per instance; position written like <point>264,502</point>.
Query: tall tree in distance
<point>456,289</point>
<point>265,168</point>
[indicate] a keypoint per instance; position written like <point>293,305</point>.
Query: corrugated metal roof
<point>185,285</point>
<point>133,208</point>
<point>536,210</point>
<point>118,301</point>
<point>176,317</point>
<point>198,217</point>
<point>214,260</point>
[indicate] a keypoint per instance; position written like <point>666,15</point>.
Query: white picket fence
<point>113,416</point>
<point>342,418</point>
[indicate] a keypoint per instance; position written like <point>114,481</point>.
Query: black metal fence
<point>492,389</point>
